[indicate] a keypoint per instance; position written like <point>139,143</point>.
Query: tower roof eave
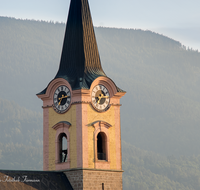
<point>80,62</point>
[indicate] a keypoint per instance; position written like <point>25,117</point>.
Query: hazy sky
<point>178,19</point>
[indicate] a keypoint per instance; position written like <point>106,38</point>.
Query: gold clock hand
<point>105,97</point>
<point>100,96</point>
<point>99,101</point>
<point>61,99</point>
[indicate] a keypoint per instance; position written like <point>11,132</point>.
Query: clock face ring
<point>61,99</point>
<point>100,98</point>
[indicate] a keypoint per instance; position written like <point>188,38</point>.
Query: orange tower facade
<point>81,111</point>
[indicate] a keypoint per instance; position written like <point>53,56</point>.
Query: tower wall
<point>95,179</point>
<point>82,140</point>
<point>50,137</point>
<point>82,105</point>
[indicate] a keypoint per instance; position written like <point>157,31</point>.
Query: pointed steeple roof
<point>80,63</point>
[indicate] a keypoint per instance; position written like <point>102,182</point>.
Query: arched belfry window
<point>101,146</point>
<point>62,145</point>
<point>101,143</point>
<point>63,150</point>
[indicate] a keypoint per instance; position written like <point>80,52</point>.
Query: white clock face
<point>100,98</point>
<point>61,99</point>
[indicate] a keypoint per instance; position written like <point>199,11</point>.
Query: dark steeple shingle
<point>80,63</point>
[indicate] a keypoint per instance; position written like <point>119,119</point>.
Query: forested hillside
<point>20,137</point>
<point>160,112</point>
<point>162,83</point>
<point>145,170</point>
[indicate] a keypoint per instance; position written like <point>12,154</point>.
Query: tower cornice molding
<point>52,87</point>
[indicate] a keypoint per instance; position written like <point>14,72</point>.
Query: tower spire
<point>82,106</point>
<point>80,63</point>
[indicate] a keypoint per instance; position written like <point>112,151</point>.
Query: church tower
<point>81,111</point>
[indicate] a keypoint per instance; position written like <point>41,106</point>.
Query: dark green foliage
<point>28,50</point>
<point>147,170</point>
<point>160,112</point>
<point>20,156</point>
<point>19,125</point>
<point>21,137</point>
<point>162,80</point>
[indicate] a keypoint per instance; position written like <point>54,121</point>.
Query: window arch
<point>62,145</point>
<point>101,146</point>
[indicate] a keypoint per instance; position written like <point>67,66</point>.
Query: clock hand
<point>105,97</point>
<point>61,99</point>
<point>100,97</point>
<point>99,101</point>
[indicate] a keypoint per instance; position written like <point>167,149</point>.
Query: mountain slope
<point>162,82</point>
<point>161,109</point>
<point>160,112</point>
<point>21,137</point>
<point>147,170</point>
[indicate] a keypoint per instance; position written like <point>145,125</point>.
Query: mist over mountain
<point>159,114</point>
<point>188,35</point>
<point>20,137</point>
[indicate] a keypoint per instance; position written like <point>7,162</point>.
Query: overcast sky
<point>177,19</point>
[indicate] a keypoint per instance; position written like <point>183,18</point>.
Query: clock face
<point>100,98</point>
<point>61,99</point>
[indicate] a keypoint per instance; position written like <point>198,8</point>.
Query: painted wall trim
<point>75,169</point>
<point>62,127</point>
